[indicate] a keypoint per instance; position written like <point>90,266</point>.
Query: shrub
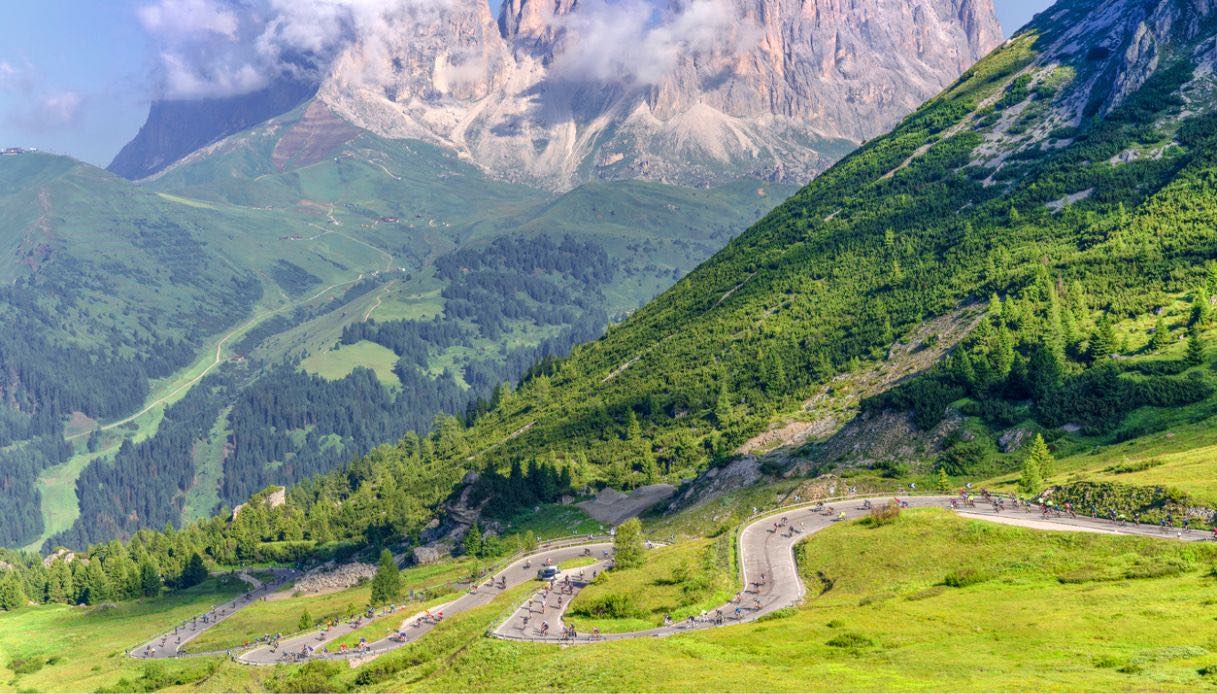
<point>610,606</point>
<point>964,578</point>
<point>25,666</point>
<point>884,514</point>
<point>781,613</point>
<point>1125,468</point>
<point>850,640</point>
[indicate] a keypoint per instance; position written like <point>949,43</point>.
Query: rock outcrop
<point>175,128</point>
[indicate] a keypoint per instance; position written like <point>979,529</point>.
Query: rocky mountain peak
<point>692,91</point>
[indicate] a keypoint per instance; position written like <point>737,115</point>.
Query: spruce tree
<point>1195,346</point>
<point>1200,308</point>
<point>628,549</point>
<point>194,573</point>
<point>943,483</point>
<point>1161,337</point>
<point>1045,370</point>
<point>1030,481</point>
<point>473,541</point>
<point>149,579</point>
<point>386,584</point>
<point>1044,461</point>
<point>96,586</point>
<point>1103,343</point>
<point>305,621</point>
<point>12,593</point>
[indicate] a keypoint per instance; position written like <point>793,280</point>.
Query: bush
<point>781,613</point>
<point>884,514</point>
<point>964,578</point>
<point>890,469</point>
<point>1125,468</point>
<point>611,606</point>
<point>25,666</point>
<point>850,640</point>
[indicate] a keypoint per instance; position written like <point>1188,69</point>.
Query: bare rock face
<point>330,578</point>
<point>1090,56</point>
<point>557,92</point>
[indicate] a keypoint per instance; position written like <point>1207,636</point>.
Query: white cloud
<point>629,41</point>
<point>210,48</point>
<point>59,109</point>
<point>47,111</point>
<point>189,18</point>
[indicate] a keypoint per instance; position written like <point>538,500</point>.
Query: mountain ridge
<point>712,91</point>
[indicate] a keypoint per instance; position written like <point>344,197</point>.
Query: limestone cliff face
<point>556,92</point>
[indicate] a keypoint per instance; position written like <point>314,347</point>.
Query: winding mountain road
<point>767,565</point>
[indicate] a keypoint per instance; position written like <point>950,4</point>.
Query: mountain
<point>362,293</point>
<point>288,259</point>
<point>1012,289</point>
<point>692,93</point>
<point>935,298</point>
<point>175,128</point>
<point>920,309</point>
<point>703,93</point>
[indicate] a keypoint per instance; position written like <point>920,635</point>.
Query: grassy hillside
<point>984,191</point>
<point>930,602</point>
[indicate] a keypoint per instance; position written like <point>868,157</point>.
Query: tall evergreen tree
<point>149,578</point>
<point>1161,337</point>
<point>12,593</point>
<point>194,573</point>
<point>1044,461</point>
<point>1195,346</point>
<point>628,548</point>
<point>386,584</point>
<point>95,588</point>
<point>473,541</point>
<point>1200,308</point>
<point>1103,342</point>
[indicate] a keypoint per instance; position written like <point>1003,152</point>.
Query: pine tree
<point>1161,337</point>
<point>1003,354</point>
<point>1044,461</point>
<point>473,541</point>
<point>95,588</point>
<point>633,430</point>
<point>1103,343</point>
<point>943,483</point>
<point>1045,370</point>
<point>305,621</point>
<point>965,374</point>
<point>628,549</point>
<point>1195,346</point>
<point>59,586</point>
<point>724,409</point>
<point>194,573</point>
<point>1030,481</point>
<point>149,579</point>
<point>386,584</point>
<point>12,593</point>
<point>1200,308</point>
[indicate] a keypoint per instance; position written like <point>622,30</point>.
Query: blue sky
<point>76,76</point>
